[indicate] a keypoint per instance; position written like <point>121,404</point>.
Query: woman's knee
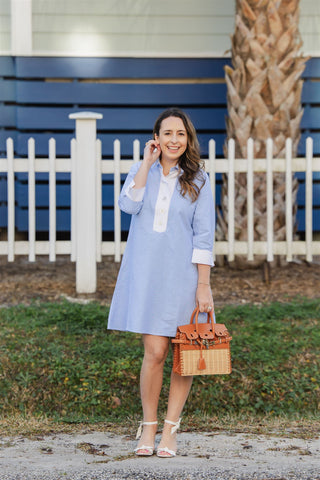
<point>156,349</point>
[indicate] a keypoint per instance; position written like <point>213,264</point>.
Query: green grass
<point>59,361</point>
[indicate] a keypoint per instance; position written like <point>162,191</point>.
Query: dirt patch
<point>23,282</point>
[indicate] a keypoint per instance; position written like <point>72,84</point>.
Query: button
<point>164,199</point>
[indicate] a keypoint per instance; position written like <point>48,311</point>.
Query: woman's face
<point>173,139</point>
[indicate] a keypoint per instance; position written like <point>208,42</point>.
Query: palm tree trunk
<point>264,101</point>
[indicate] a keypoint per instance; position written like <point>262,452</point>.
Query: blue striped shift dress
<point>168,236</point>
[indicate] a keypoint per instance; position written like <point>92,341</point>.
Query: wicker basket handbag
<point>201,348</point>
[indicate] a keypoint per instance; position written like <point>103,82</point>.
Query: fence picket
<point>31,201</point>
<point>289,210</point>
<point>250,200</point>
<point>11,200</point>
<point>309,155</point>
<point>117,213</point>
<point>136,151</point>
<point>73,146</point>
<point>269,200</point>
<point>99,201</point>
<point>52,200</point>
<point>212,173</point>
<point>231,158</point>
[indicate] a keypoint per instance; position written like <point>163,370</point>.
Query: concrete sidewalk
<point>101,456</point>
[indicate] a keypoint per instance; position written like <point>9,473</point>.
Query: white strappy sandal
<point>144,450</point>
<point>165,452</point>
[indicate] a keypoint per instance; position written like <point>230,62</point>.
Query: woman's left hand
<point>204,298</point>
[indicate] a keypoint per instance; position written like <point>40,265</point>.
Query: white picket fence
<point>86,166</point>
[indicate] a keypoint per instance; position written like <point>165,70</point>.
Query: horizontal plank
<point>4,135</point>
<point>63,195</point>
<point>3,188</point>
<point>132,119</point>
<point>160,46</point>
<point>301,220</point>
<point>120,94</point>
<point>108,248</point>
<point>41,165</point>
<point>5,43</point>
<point>126,139</point>
<point>63,219</point>
<point>221,165</point>
<point>301,196</point>
<point>301,177</point>
<point>3,217</point>
<point>260,165</point>
<point>260,248</point>
<point>310,92</point>
<point>130,24</point>
<point>311,118</point>
<point>41,247</point>
<point>107,139</point>
<point>7,90</point>
<point>136,8</point>
<point>309,8</point>
<point>316,143</point>
<point>7,116</point>
<point>74,67</point>
<point>312,69</point>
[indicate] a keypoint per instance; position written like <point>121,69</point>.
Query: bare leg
<point>178,394</point>
<point>155,353</point>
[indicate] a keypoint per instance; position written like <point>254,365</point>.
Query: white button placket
<point>163,202</point>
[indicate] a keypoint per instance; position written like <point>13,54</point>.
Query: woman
<point>165,270</point>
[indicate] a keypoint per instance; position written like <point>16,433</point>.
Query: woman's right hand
<point>151,152</point>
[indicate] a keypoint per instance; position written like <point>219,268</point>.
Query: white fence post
<point>86,205</point>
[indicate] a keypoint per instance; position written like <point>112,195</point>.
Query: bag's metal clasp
<point>206,343</point>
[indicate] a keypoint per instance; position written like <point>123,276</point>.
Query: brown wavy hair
<point>190,160</point>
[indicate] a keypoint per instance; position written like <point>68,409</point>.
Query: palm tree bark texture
<point>264,88</point>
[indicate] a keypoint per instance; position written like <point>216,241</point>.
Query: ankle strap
<point>140,428</point>
<point>176,425</point>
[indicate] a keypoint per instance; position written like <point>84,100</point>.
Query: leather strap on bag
<point>195,315</point>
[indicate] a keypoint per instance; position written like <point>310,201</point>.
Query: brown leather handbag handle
<point>195,314</point>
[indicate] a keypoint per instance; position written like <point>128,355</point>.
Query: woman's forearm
<point>151,154</point>
<point>203,274</point>
<point>141,176</point>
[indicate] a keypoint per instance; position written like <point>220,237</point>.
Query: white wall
<point>310,26</point>
<point>142,28</point>
<point>167,28</point>
<point>5,27</point>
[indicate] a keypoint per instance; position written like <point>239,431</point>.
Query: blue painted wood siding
<point>37,95</point>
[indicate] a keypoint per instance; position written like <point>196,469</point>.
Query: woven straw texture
<point>218,362</point>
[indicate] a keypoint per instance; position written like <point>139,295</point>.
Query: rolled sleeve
<point>131,200</point>
<point>135,194</point>
<point>204,257</point>
<point>204,226</point>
